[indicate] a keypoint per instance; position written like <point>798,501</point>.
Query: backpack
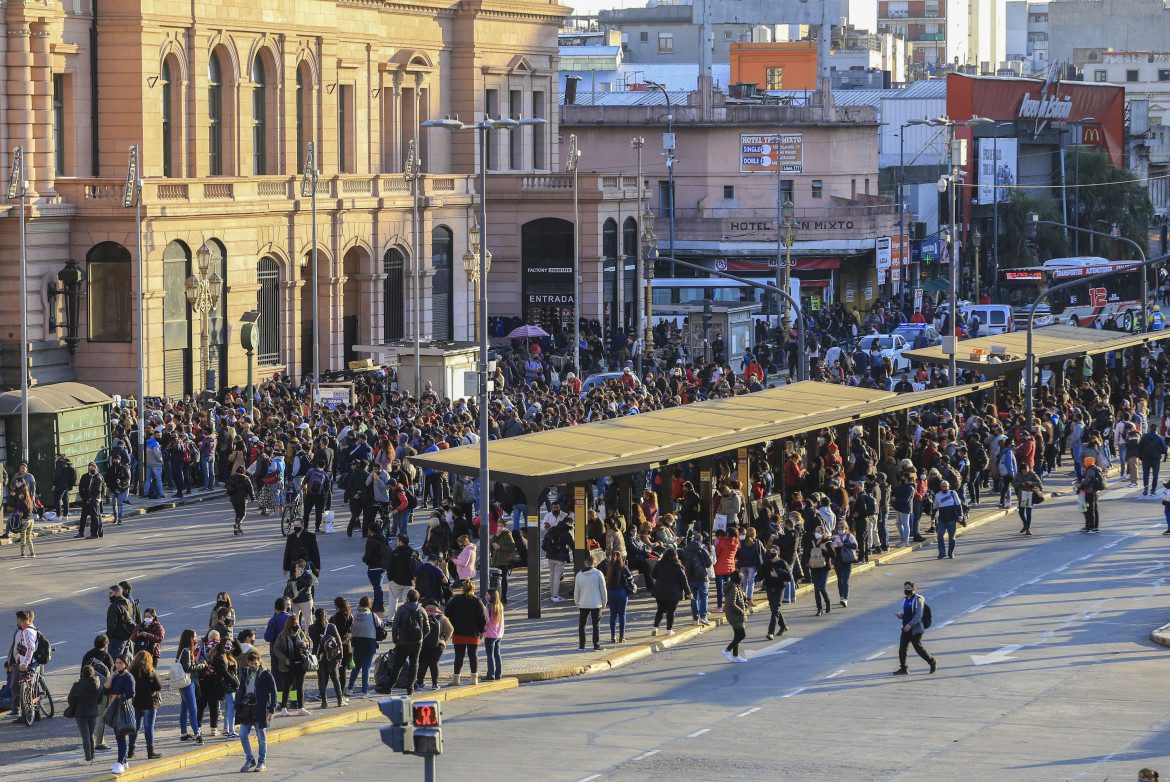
<point>44,652</point>
<point>927,619</point>
<point>696,570</point>
<point>431,639</point>
<point>439,542</point>
<point>16,522</point>
<point>125,623</point>
<point>415,628</point>
<point>411,500</point>
<point>457,492</point>
<point>316,482</point>
<point>330,645</point>
<point>400,501</point>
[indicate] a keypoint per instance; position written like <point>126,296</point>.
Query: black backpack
<point>316,482</point>
<point>415,628</point>
<point>696,570</point>
<point>431,639</point>
<point>439,542</point>
<point>926,617</point>
<point>44,652</point>
<point>411,500</point>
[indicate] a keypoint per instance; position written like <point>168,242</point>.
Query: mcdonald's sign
<point>1091,135</point>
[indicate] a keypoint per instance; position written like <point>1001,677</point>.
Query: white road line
<point>790,693</point>
<point>103,548</point>
<point>135,578</point>
<point>647,754</point>
<point>1033,581</point>
<point>878,654</point>
<point>254,591</point>
<point>18,567</point>
<point>749,711</point>
<point>148,537</point>
<point>590,778</point>
<point>343,567</point>
<point>698,733</point>
<point>180,567</point>
<point>168,613</point>
<point>228,554</point>
<point>836,673</point>
<point>59,643</point>
<point>204,605</point>
<point>87,589</point>
<point>41,600</point>
<point>1064,567</point>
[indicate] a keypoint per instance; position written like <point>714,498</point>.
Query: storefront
<point>546,274</point>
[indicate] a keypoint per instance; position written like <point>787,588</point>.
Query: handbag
<point>311,661</point>
<point>1038,497</point>
<point>379,631</point>
<point>847,555</point>
<point>71,708</point>
<point>110,715</point>
<point>126,723</point>
<point>179,677</point>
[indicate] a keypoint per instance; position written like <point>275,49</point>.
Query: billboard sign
<point>998,161</point>
<point>333,395</point>
<point>763,153</point>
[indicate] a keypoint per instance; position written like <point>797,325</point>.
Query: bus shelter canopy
<point>1051,344</point>
<point>628,444</point>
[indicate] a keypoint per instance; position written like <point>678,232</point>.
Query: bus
<point>1090,304</point>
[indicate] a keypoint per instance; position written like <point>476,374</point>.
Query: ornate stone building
<point>224,105</point>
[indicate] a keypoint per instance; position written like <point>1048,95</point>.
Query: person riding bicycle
<point>21,655</point>
<point>315,489</point>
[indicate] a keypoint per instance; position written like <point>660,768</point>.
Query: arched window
<point>268,304</point>
<point>442,283</point>
<point>110,294</point>
<point>630,238</point>
<point>300,120</point>
<point>214,116</point>
<point>176,325</point>
<point>394,311</point>
<point>166,117</point>
<point>259,92</point>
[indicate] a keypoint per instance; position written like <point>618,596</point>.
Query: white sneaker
<point>303,712</point>
<point>1133,486</point>
<point>739,659</point>
<point>117,768</point>
<point>558,599</point>
<point>670,632</point>
<point>654,631</point>
<point>284,712</point>
<point>727,654</point>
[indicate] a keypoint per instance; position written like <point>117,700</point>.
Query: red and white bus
<point>1118,296</point>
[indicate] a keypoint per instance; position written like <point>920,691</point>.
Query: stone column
<point>19,87</point>
<point>42,169</point>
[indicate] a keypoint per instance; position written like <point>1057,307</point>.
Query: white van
<point>993,318</point>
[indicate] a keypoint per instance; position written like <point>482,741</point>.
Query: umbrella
<point>526,332</point>
<point>937,284</point>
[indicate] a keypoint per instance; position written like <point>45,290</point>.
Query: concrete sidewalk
<point>532,650</point>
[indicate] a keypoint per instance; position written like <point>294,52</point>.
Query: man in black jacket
<point>91,490</point>
<point>119,623</point>
<point>400,567</point>
<point>408,631</point>
<point>301,544</point>
<point>1151,449</point>
<point>118,481</point>
<point>64,479</point>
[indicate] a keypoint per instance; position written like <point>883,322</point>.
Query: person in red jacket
<point>794,473</point>
<point>1026,451</point>
<point>726,547</point>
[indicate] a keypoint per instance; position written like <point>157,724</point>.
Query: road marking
<point>836,673</point>
<point>103,548</point>
<point>168,613</point>
<point>999,655</point>
<point>18,567</point>
<point>775,648</point>
<point>59,643</point>
<point>1064,567</point>
<point>41,600</point>
<point>87,589</point>
<point>204,605</point>
<point>590,778</point>
<point>698,733</point>
<point>180,567</point>
<point>647,754</point>
<point>148,537</point>
<point>1033,581</point>
<point>254,591</point>
<point>343,567</point>
<point>749,711</point>
<point>135,578</point>
<point>878,653</point>
<point>790,693</point>
<point>228,554</point>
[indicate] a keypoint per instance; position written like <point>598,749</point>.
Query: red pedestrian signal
<point>426,714</point>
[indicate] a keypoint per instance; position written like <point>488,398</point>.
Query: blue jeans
<point>208,473</point>
<point>229,712</point>
<point>118,499</point>
<point>749,581</point>
<point>187,712</point>
<point>1150,469</point>
<point>401,520</point>
<point>947,528</point>
<point>1166,512</point>
<point>363,655</point>
<point>261,740</point>
<point>519,511</point>
<point>699,600</point>
<point>123,746</point>
<point>844,570</point>
<point>491,648</point>
<point>154,481</point>
<point>1025,515</point>
<point>719,582</point>
<point>375,576</point>
<point>618,600</point>
<point>820,579</point>
<point>904,527</point>
<point>61,500</point>
<point>144,723</point>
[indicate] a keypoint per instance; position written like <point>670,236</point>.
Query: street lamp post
<point>976,242</point>
<point>649,244</point>
<point>636,143</point>
<point>670,158</point>
<point>905,252</point>
<point>132,196</point>
<point>787,238</point>
<point>203,296</point>
<point>482,129</point>
<point>309,190</point>
<point>571,162</point>
<point>411,174</point>
<point>471,268</point>
<point>18,188</point>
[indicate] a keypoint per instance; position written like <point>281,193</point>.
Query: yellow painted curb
<point>1161,635</point>
<point>233,747</point>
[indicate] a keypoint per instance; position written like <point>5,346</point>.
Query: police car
<point>890,346</point>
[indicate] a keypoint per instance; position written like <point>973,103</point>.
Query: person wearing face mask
<point>120,684</point>
<point>300,590</point>
<point>222,600</point>
<point>119,622</point>
<point>91,489</point>
<point>820,562</point>
<point>290,654</point>
<point>255,707</point>
<point>913,610</point>
<point>148,635</point>
<point>844,555</point>
<point>777,576</point>
<point>354,484</point>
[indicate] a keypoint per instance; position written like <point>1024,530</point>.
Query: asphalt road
<point>1046,673</point>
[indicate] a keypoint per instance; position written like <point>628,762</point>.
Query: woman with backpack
<point>147,699</point>
<point>469,621</point>
<point>820,562</point>
<point>465,560</point>
<point>23,515</point>
<point>342,619</point>
<point>504,557</point>
<point>367,629</point>
<point>327,647</point>
<point>183,673</point>
<point>84,700</point>
<point>439,632</point>
<point>736,616</point>
<point>290,653</point>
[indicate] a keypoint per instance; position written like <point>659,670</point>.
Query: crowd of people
<point>813,505</point>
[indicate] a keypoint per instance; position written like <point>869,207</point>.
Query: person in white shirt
<point>552,518</point>
<point>590,596</point>
<point>24,647</point>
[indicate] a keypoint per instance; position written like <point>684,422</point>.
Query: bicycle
<point>293,510</point>
<point>36,702</point>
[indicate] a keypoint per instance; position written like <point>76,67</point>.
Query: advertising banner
<point>997,175</point>
<point>762,153</point>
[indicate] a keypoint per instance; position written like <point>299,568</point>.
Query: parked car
<point>890,346</point>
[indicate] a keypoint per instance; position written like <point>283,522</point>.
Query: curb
<point>1161,635</point>
<point>319,725</point>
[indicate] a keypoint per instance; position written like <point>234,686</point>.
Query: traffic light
<point>415,728</point>
<point>707,313</point>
